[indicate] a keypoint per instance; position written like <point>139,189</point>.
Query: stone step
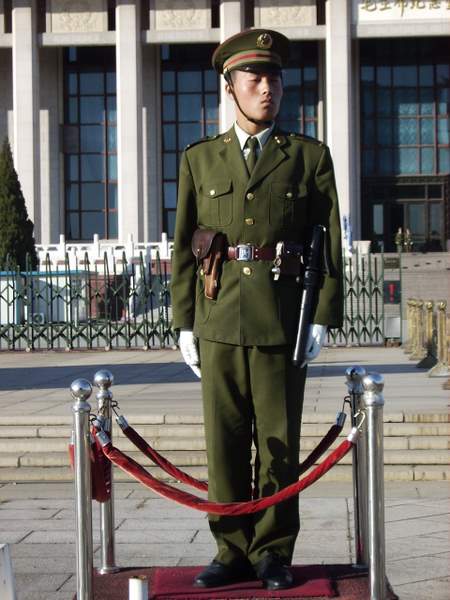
<point>151,431</point>
<point>185,458</point>
<point>339,473</point>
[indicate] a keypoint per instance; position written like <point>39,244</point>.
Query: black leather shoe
<point>217,574</point>
<point>273,573</point>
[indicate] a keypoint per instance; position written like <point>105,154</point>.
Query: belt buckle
<point>244,252</point>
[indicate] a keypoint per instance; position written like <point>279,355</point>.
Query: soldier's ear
<point>228,91</point>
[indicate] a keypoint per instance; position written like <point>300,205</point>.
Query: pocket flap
<point>216,188</point>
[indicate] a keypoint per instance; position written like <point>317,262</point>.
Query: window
<point>405,97</point>
<point>298,110</point>
<point>90,143</point>
<point>190,111</point>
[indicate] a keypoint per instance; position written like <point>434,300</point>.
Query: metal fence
<point>112,302</point>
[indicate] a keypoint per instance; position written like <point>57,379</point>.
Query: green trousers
<point>252,394</point>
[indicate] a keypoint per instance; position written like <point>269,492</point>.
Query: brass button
<point>250,196</point>
<point>289,194</point>
<point>212,192</point>
<point>202,272</point>
<point>249,221</point>
<point>247,271</point>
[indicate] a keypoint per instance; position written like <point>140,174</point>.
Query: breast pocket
<point>216,203</point>
<point>287,203</point>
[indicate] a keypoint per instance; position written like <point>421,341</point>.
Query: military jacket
<point>291,188</point>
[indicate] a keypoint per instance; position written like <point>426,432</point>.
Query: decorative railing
<point>87,301</point>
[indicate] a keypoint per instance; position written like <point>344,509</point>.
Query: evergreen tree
<point>16,229</point>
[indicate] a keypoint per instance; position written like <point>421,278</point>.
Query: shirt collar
<point>262,136</point>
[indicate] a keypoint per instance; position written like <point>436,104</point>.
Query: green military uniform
<point>250,389</point>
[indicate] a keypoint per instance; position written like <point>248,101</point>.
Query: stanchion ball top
<point>373,382</point>
<point>354,373</point>
<point>103,379</point>
<point>81,389</point>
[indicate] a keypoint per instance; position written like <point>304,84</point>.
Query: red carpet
<point>314,582</point>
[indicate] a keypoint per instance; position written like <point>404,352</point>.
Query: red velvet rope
<point>100,470</point>
<point>146,449</point>
<point>134,469</point>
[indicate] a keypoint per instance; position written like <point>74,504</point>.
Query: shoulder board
<point>306,138</point>
<point>201,140</point>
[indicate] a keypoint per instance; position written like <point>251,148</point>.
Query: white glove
<point>316,338</point>
<point>189,350</point>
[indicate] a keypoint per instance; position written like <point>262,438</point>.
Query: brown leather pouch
<point>209,249</point>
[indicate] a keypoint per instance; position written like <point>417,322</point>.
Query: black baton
<point>311,284</point>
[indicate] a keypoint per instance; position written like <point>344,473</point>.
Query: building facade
<point>99,98</point>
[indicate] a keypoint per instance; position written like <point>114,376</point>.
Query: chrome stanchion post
<point>103,380</point>
<point>373,403</point>
<point>354,376</point>
<point>81,390</point>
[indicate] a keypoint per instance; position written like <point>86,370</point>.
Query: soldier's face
<point>259,94</point>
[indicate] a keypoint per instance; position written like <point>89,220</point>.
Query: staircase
<point>34,448</point>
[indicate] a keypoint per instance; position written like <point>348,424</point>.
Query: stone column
<point>231,22</point>
<point>26,106</point>
<point>340,110</point>
<point>129,119</point>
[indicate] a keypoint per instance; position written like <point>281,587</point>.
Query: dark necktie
<point>252,144</point>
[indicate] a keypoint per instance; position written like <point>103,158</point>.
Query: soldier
<point>247,200</point>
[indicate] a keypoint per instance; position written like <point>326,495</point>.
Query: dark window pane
<point>91,83</point>
<point>368,162</point>
<point>435,219</point>
<point>189,107</point>
<point>417,218</point>
<point>112,195</point>
<point>211,81</point>
<point>91,138</point>
<point>211,107</point>
<point>367,102</point>
<point>170,165</point>
<point>92,167</point>
<point>169,113</point>
<point>72,167</point>
<point>112,108</point>
<point>427,131</point>
<point>171,223</point>
<point>211,129</point>
<point>386,164</point>
<point>310,74</point>
<point>310,128</point>
<point>367,73</point>
<point>408,160</point>
<point>169,132</point>
<point>72,196</point>
<point>188,133</point>
<point>404,75</point>
<point>443,101</point>
<point>111,82</point>
<point>92,222</point>
<point>426,75</point>
<point>434,191</point>
<point>92,196</point>
<point>384,132</point>
<point>368,132</point>
<point>170,194</point>
<point>72,226</point>
<point>72,83</point>
<point>442,74</point>
<point>189,81</point>
<point>291,77</point>
<point>113,226</point>
<point>73,110</point>
<point>309,104</point>
<point>426,101</point>
<point>427,155</point>
<point>444,160</point>
<point>443,131</point>
<point>290,108</point>
<point>384,76</point>
<point>168,81</point>
<point>92,109</point>
<point>405,102</point>
<point>112,139</point>
<point>384,102</point>
<point>112,166</point>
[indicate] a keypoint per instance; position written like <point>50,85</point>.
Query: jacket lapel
<point>232,156</point>
<point>272,155</point>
